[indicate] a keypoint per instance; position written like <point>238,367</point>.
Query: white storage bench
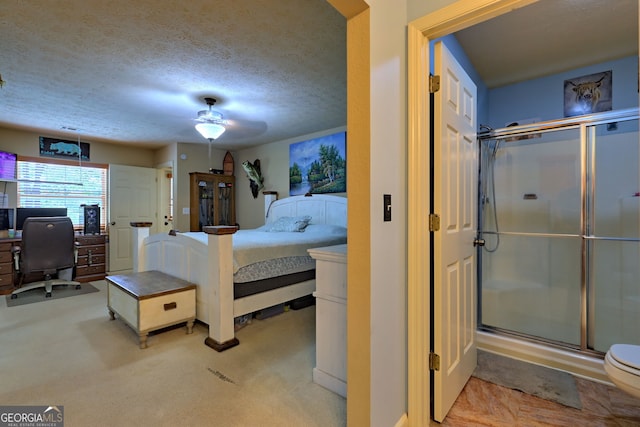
<point>151,300</point>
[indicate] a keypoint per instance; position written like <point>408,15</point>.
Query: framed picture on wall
<point>318,165</point>
<point>62,148</point>
<point>588,94</point>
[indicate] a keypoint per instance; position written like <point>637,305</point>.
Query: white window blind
<point>57,185</point>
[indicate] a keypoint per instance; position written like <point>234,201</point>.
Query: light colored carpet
<point>549,384</point>
<point>38,295</point>
<point>67,352</point>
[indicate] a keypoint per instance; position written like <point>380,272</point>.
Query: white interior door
<point>132,198</point>
<point>455,188</point>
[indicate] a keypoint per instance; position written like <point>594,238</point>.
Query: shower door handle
<point>478,242</point>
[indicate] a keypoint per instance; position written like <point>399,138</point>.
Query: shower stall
<point>559,232</point>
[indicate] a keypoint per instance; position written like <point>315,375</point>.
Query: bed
<point>242,271</point>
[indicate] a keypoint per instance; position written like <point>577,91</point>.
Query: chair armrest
<point>16,250</point>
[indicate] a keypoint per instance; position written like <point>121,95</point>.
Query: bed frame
<point>211,266</point>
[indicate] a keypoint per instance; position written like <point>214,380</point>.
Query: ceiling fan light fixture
<point>209,115</point>
<point>211,125</point>
<point>210,130</point>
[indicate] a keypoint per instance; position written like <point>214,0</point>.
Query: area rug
<point>539,381</point>
<point>37,295</point>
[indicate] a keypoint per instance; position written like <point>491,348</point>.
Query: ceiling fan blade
<point>237,128</point>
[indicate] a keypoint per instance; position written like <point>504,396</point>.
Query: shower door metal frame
<point>587,128</point>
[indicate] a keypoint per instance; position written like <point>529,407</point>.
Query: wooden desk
<point>7,273</point>
<point>91,265</point>
<point>92,257</point>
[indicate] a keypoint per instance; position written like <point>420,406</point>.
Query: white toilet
<point>622,364</point>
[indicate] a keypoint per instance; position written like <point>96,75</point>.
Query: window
<point>49,184</point>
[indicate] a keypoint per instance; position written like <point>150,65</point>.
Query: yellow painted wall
<point>274,163</point>
<point>27,144</point>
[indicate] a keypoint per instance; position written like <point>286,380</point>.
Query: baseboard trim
<point>330,382</point>
<point>403,421</point>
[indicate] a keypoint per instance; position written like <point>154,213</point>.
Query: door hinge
<point>434,362</point>
<point>434,222</point>
<point>434,84</point>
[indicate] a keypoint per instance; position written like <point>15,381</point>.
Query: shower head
<point>484,130</point>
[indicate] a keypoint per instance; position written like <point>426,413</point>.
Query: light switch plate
<point>387,207</point>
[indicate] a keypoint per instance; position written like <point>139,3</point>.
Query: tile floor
<point>485,404</point>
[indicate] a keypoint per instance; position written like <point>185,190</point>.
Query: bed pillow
<point>288,223</point>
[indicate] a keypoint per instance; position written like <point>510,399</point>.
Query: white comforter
<point>250,246</point>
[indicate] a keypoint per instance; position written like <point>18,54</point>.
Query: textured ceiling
<point>136,71</point>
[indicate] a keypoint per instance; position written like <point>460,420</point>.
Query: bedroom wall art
<point>588,94</point>
<point>318,165</point>
<point>254,173</point>
<point>62,148</point>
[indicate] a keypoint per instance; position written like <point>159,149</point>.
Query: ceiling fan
<point>211,124</point>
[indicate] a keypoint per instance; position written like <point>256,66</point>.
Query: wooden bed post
<point>220,277</point>
<point>140,232</point>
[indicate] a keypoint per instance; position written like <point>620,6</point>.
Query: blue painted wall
<point>543,98</point>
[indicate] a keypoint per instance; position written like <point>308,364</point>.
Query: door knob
<point>112,223</point>
<point>478,242</point>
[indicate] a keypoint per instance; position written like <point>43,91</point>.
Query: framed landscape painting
<point>318,165</point>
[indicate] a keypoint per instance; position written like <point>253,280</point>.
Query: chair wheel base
<point>14,296</point>
<point>48,295</point>
<point>78,287</point>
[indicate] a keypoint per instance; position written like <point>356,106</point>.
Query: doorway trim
<point>421,32</point>
<point>164,193</point>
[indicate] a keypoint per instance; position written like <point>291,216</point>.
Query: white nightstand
<point>331,317</point>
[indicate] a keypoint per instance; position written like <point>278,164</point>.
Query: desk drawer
<point>6,257</point>
<point>6,289</point>
<point>84,270</point>
<point>91,240</point>
<point>6,279</point>
<point>92,260</point>
<point>6,268</point>
<point>93,250</point>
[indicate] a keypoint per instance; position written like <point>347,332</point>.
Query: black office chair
<point>48,247</point>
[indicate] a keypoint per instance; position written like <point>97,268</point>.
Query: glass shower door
<point>614,243</point>
<point>531,222</point>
